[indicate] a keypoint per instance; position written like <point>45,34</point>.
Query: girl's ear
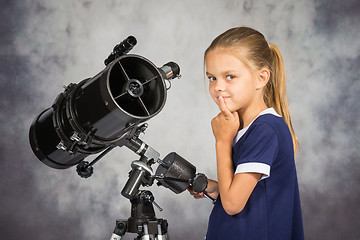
<point>263,78</point>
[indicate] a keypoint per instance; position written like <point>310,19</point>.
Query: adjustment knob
<point>84,169</point>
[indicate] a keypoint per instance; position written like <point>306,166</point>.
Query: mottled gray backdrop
<point>46,44</point>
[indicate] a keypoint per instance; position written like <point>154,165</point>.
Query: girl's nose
<point>220,85</point>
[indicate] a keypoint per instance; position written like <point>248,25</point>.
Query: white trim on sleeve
<point>254,167</point>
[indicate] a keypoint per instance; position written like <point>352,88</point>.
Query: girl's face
<point>230,79</point>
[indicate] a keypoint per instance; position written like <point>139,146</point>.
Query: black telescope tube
<point>97,113</point>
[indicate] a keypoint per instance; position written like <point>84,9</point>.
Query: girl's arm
<point>235,190</point>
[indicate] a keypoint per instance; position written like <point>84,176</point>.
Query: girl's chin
<point>231,109</point>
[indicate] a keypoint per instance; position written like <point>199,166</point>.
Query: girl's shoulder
<point>259,120</point>
<point>269,117</point>
<point>275,121</point>
<point>271,123</point>
<point>267,121</point>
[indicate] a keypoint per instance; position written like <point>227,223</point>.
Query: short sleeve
<point>257,151</point>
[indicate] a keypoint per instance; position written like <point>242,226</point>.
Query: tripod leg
<point>162,230</point>
<point>119,230</point>
<point>145,234</point>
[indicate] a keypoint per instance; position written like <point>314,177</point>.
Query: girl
<point>257,190</point>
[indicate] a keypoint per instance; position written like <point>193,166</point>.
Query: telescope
<point>110,110</point>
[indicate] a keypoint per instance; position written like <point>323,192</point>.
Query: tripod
<point>142,221</point>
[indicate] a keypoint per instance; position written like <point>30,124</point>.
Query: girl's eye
<point>230,77</point>
<point>211,79</point>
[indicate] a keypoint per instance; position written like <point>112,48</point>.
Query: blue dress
<point>273,211</point>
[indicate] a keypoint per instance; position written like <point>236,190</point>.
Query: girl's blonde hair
<point>256,53</point>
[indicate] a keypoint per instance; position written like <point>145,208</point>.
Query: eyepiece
<point>121,49</point>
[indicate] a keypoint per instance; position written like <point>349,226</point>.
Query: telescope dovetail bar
<point>109,110</point>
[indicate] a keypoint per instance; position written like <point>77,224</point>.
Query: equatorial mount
<point>173,172</point>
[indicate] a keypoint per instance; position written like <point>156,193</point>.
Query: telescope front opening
<point>137,86</point>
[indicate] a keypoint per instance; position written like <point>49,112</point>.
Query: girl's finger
<point>223,108</point>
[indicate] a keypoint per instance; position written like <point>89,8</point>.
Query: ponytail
<point>275,91</point>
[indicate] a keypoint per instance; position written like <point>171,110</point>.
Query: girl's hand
<point>212,190</point>
<point>226,124</point>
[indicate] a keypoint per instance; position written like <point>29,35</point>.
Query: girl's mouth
<point>224,97</point>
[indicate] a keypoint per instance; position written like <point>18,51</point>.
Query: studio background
<point>46,44</point>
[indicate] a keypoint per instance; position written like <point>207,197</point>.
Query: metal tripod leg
<point>162,230</point>
<point>160,233</point>
<point>144,233</point>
